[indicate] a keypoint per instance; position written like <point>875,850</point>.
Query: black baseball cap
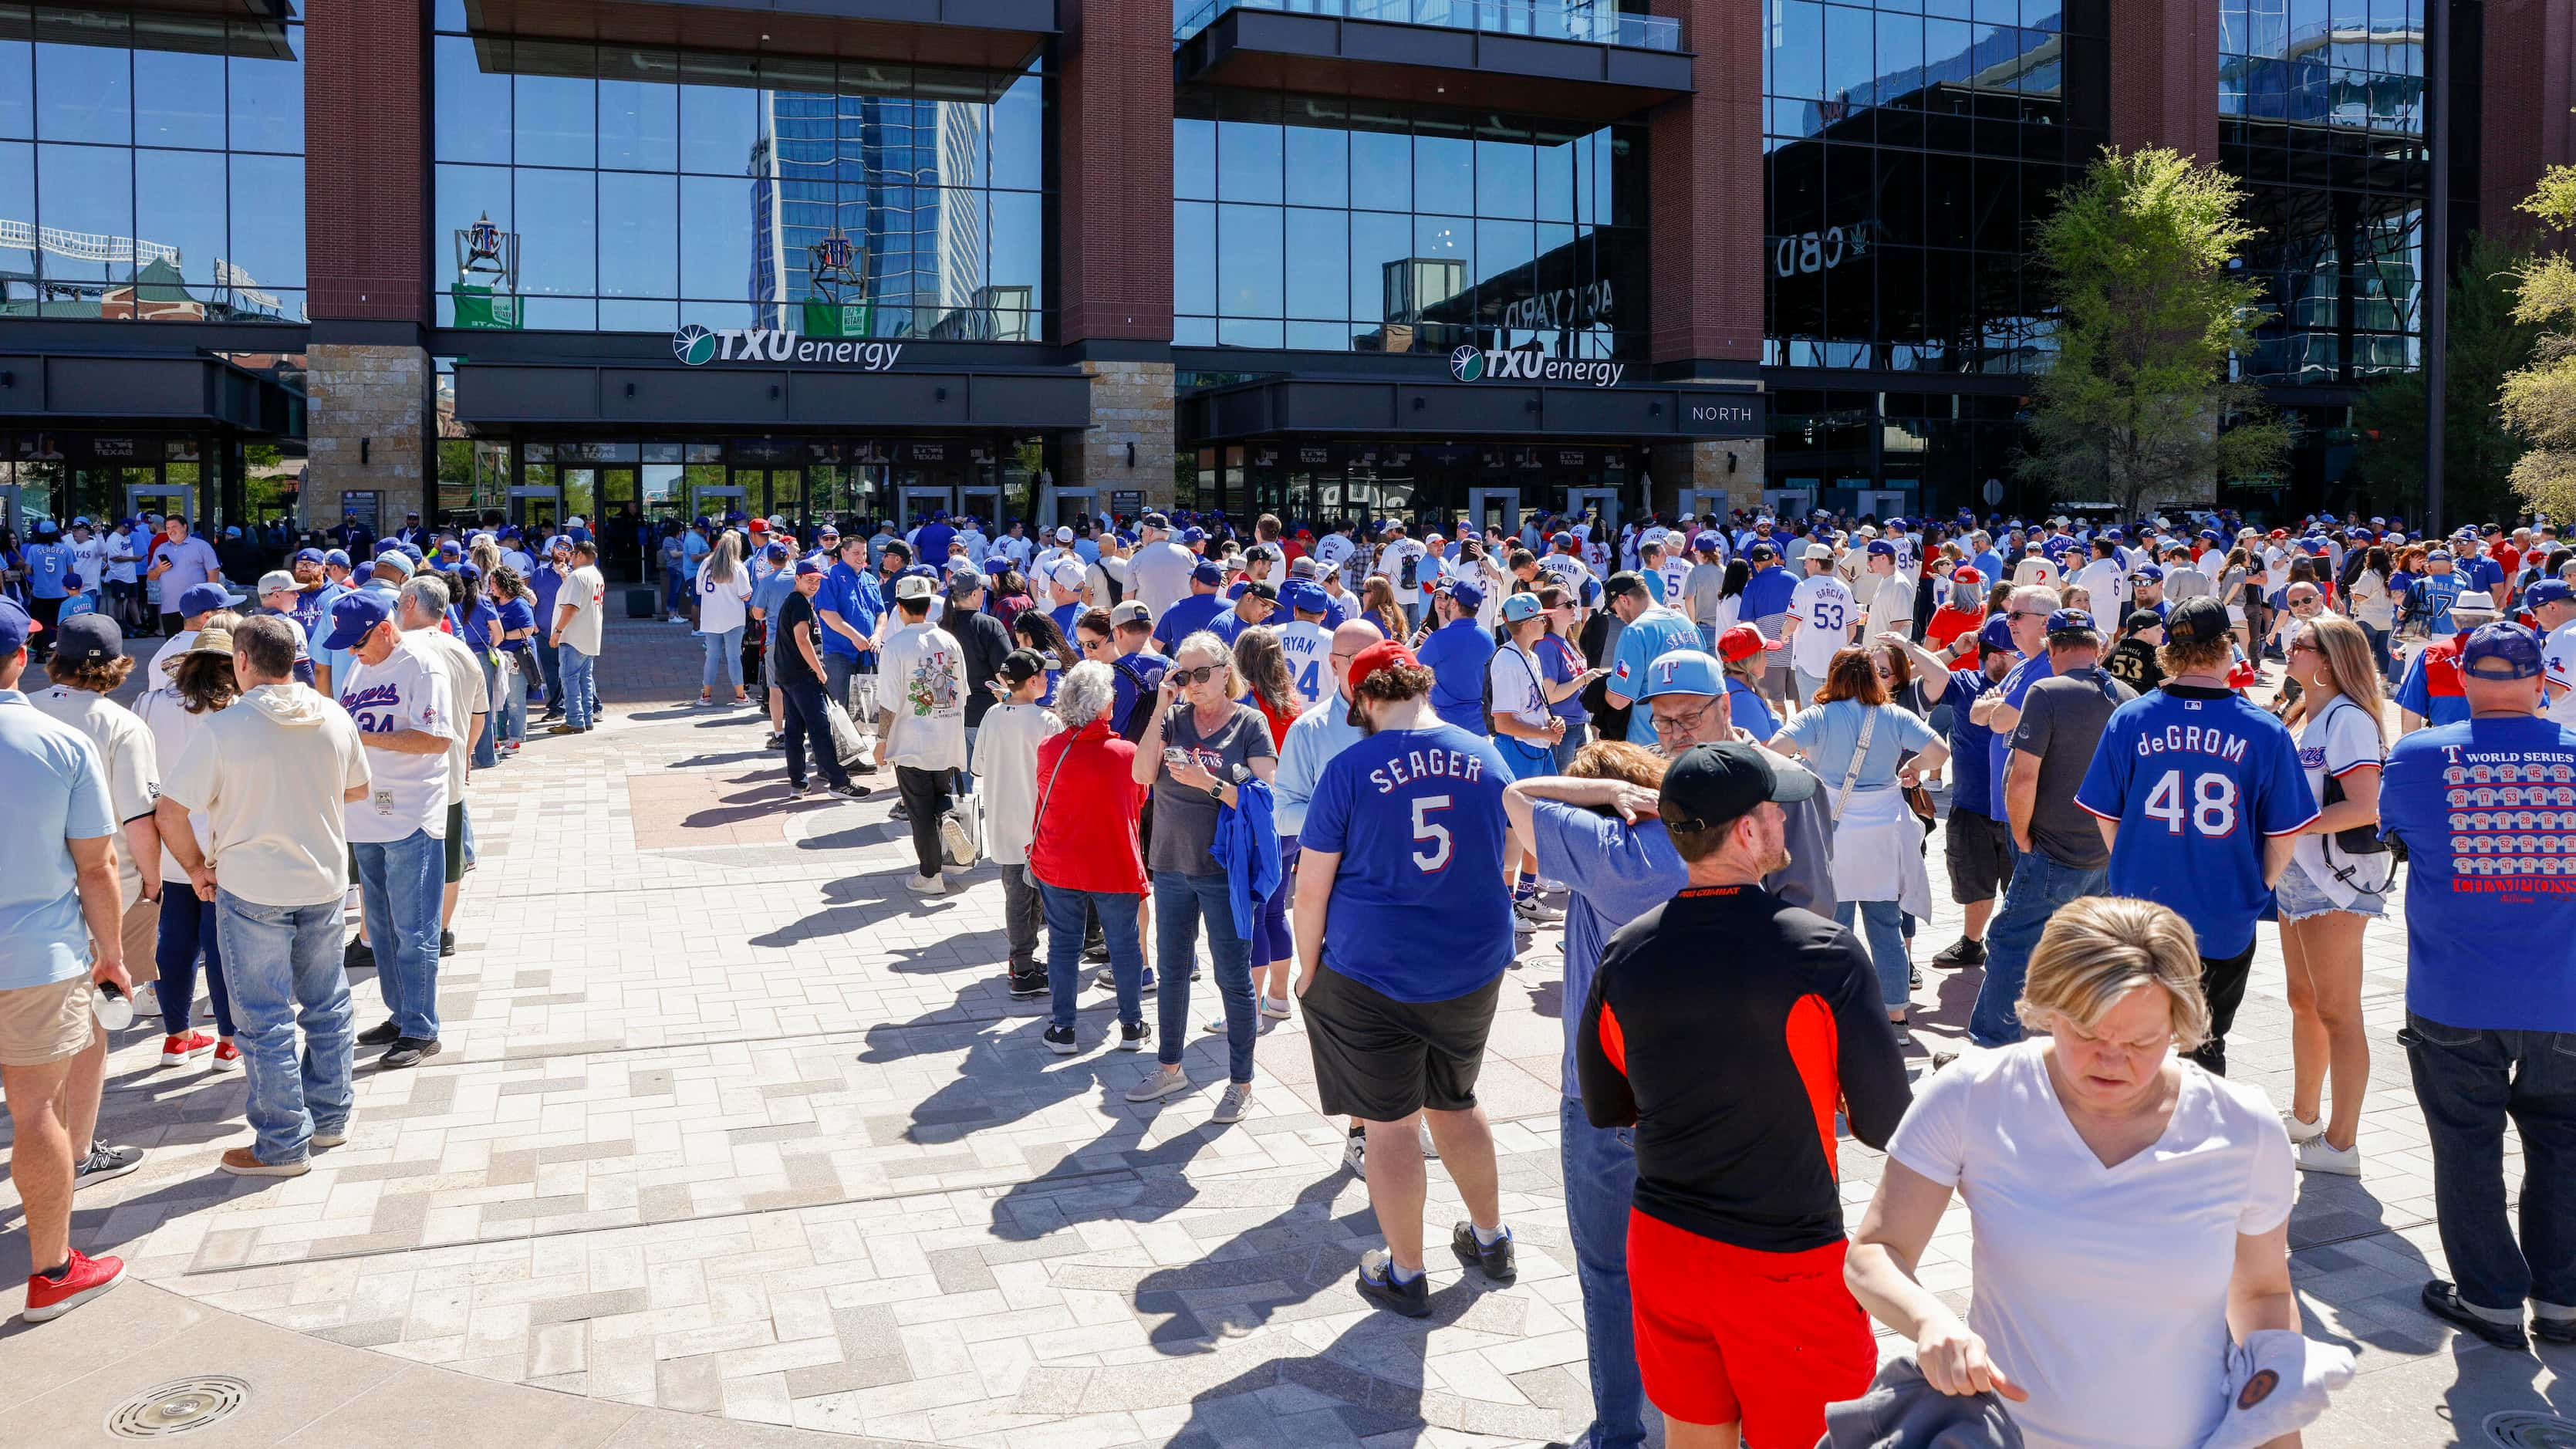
<point>1022,665</point>
<point>1714,785</point>
<point>88,639</point>
<point>2198,621</point>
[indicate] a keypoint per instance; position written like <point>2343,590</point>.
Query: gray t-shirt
<point>2061,722</point>
<point>1184,815</point>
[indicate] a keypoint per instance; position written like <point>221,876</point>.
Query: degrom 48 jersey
<point>2196,779</point>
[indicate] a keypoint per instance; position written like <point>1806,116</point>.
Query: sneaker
<point>446,943</point>
<point>409,1051</point>
<point>359,955</point>
<point>242,1162</point>
<point>185,1047</point>
<point>954,840</point>
<point>1535,908</point>
<point>776,741</point>
<point>1422,1134</point>
<point>1494,1259</point>
<point>927,885</point>
<point>383,1033</point>
<point>1274,1007</point>
<point>1059,1040</point>
<point>147,1001</point>
<point>2317,1155</point>
<point>2554,1330</point>
<point>2443,1301</point>
<point>799,789</point>
<point>83,1278</point>
<point>1962,952</point>
<point>1914,978</point>
<point>330,1136</point>
<point>1159,1083</point>
<point>1022,987</point>
<point>1095,952</point>
<point>1134,1036</point>
<point>1355,1153</point>
<point>1377,1284</point>
<point>1231,1107</point>
<point>564,729</point>
<point>899,813</point>
<point>104,1162</point>
<point>227,1057</point>
<point>2301,1132</point>
<point>864,766</point>
<point>848,792</point>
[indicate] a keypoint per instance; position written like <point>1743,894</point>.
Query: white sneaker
<point>1355,1154</point>
<point>926,885</point>
<point>1274,1007</point>
<point>2315,1155</point>
<point>2301,1132</point>
<point>1162,1082</point>
<point>1430,1150</point>
<point>1236,1101</point>
<point>954,840</point>
<point>1536,909</point>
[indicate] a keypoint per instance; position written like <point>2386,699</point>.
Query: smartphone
<point>1175,757</point>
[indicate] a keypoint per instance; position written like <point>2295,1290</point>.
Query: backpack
<point>1405,576</point>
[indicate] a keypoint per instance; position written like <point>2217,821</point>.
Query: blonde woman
<point>724,607</point>
<point>1379,607</point>
<point>2128,1211</point>
<point>2330,891</point>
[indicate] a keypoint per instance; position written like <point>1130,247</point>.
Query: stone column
<point>1705,466</point>
<point>367,428</point>
<point>1131,405</point>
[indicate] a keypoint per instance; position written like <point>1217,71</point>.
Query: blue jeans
<point>513,700</point>
<point>1180,901</point>
<point>2469,1082</point>
<point>404,883</point>
<point>675,590</point>
<point>1066,913</point>
<point>2379,651</point>
<point>286,973</point>
<point>487,746</point>
<point>2039,886</point>
<point>187,932</point>
<point>580,689</point>
<point>550,668</point>
<point>1600,1170</point>
<point>1882,924</point>
<point>1566,749</point>
<point>724,658</point>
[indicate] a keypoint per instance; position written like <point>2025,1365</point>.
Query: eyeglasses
<point>2027,614</point>
<point>1680,724</point>
<point>2309,603</point>
<point>1200,675</point>
<point>2309,645</point>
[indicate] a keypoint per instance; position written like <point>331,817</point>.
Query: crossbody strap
<point>1860,752</point>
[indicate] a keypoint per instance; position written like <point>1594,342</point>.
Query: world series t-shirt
<point>2196,779</point>
<point>1417,817</point>
<point>408,793</point>
<point>2487,811</point>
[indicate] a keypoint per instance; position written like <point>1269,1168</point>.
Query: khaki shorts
<point>40,1025</point>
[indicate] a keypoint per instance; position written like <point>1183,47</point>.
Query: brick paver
<point>731,1123</point>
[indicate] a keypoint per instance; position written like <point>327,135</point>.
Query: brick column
<point>2164,76</point>
<point>1704,192</point>
<point>2525,125</point>
<point>1114,159</point>
<point>366,190</point>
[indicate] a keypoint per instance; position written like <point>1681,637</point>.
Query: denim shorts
<point>2299,898</point>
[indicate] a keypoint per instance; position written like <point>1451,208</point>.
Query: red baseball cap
<point>1744,641</point>
<point>1385,654</point>
<point>1967,575</point>
<point>760,525</point>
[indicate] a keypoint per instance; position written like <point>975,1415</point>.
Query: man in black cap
<point>1732,1078</point>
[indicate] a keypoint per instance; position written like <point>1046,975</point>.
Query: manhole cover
<point>176,1408</point>
<point>2521,1429</point>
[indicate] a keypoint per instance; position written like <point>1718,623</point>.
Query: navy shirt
<point>1972,787</point>
<point>1185,618</point>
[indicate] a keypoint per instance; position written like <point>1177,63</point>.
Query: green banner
<point>832,319</point>
<point>479,309</point>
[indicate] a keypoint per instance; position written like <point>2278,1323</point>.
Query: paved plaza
<point>734,1131</point>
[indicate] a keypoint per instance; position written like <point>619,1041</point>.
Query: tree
<point>2140,400</point>
<point>2488,342</point>
<point>2539,398</point>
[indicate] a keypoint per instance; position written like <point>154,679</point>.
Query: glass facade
<point>1325,224</point>
<point>1910,146</point>
<point>626,189</point>
<point>151,164</point>
<point>1546,19</point>
<point>2321,114</point>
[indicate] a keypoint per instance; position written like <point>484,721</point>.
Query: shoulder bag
<point>1860,752</point>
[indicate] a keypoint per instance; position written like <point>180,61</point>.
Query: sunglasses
<point>1200,675</point>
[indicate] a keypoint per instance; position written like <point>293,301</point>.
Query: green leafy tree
<point>2487,342</point>
<point>2538,399</point>
<point>2140,401</point>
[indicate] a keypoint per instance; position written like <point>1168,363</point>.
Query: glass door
<point>538,511</point>
<point>915,503</point>
<point>1495,508</point>
<point>1603,501</point>
<point>785,494</point>
<point>713,501</point>
<point>615,525</point>
<point>160,498</point>
<point>983,503</point>
<point>581,496</point>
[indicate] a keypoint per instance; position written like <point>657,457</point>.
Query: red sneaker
<point>86,1278</point>
<point>227,1057</point>
<point>187,1046</point>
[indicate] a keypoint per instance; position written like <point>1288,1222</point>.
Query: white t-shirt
<point>1332,551</point>
<point>173,729</point>
<point>1891,601</point>
<point>126,753</point>
<point>2337,743</point>
<point>921,686</point>
<point>136,543</point>
<point>2035,571</point>
<point>722,606</point>
<point>1825,612</point>
<point>2107,585</point>
<point>1390,562</point>
<point>267,780</point>
<point>586,593</point>
<point>465,686</point>
<point>408,691</point>
<point>1309,647</point>
<point>2558,665</point>
<point>89,560</point>
<point>2057,1236</point>
<point>1516,678</point>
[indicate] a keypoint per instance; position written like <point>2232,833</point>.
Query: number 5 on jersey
<point>1436,858</point>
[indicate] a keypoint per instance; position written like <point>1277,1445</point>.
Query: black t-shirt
<point>2133,663</point>
<point>1733,1067</point>
<point>792,668</point>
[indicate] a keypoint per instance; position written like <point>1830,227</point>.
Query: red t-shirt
<point>1948,624</point>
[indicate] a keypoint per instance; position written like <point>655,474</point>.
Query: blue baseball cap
<point>339,556</point>
<point>1193,535</point>
<point>1683,671</point>
<point>308,555</point>
<point>2071,621</point>
<point>1467,595</point>
<point>1996,633</point>
<point>1522,607</point>
<point>15,625</point>
<point>353,618</point>
<point>1881,548</point>
<point>206,598</point>
<point>805,567</point>
<point>1705,541</point>
<point>2148,573</point>
<point>1207,573</point>
<point>2439,555</point>
<point>2511,646</point>
<point>2548,591</point>
<point>1305,597</point>
<point>409,550</point>
<point>775,553</point>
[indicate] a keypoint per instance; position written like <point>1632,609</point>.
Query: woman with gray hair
<point>2129,1210</point>
<point>1083,855</point>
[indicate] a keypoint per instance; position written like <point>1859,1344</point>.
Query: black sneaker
<point>899,813</point>
<point>2554,1330</point>
<point>848,792</point>
<point>1962,952</point>
<point>383,1033</point>
<point>798,789</point>
<point>1413,1299</point>
<point>447,943</point>
<point>1494,1260</point>
<point>1096,952</point>
<point>1059,1040</point>
<point>1914,977</point>
<point>1134,1036</point>
<point>1033,983</point>
<point>2443,1301</point>
<point>358,955</point>
<point>410,1051</point>
<point>861,767</point>
<point>104,1162</point>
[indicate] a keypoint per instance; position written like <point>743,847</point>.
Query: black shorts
<point>455,841</point>
<point>1979,850</point>
<point>1382,1060</point>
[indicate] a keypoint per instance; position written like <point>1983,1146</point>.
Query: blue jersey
<point>1185,618</point>
<point>1418,910</point>
<point>2197,779</point>
<point>854,597</point>
<point>2487,811</point>
<point>1656,632</point>
<point>2015,688</point>
<point>1767,593</point>
<point>1456,653</point>
<point>1971,744</point>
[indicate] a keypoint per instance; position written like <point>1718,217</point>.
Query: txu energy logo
<point>1528,364</point>
<point>696,346</point>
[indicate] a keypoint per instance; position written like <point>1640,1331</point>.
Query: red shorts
<point>1728,1334</point>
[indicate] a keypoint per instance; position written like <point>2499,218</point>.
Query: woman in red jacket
<point>1083,853</point>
